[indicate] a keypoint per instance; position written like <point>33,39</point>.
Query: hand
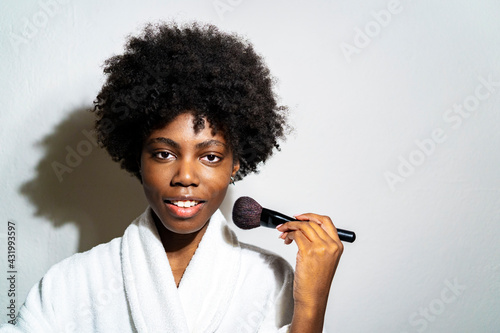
<point>319,251</point>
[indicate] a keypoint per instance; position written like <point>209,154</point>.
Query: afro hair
<point>170,69</point>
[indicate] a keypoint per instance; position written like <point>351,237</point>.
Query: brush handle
<point>271,219</point>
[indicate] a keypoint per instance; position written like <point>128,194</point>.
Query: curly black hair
<point>170,69</point>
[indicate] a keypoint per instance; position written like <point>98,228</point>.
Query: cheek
<point>217,184</point>
<point>218,177</point>
<point>150,188</point>
<point>152,178</point>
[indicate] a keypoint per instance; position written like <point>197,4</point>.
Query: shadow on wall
<point>77,182</point>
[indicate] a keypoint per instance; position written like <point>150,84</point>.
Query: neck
<point>179,248</point>
<point>175,243</point>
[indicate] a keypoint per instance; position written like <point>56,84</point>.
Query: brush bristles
<point>246,213</point>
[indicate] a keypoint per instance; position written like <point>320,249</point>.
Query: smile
<point>185,203</point>
<point>184,209</point>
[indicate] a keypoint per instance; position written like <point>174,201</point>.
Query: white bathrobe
<point>127,285</point>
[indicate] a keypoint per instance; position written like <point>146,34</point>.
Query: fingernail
<point>279,225</point>
<point>281,235</point>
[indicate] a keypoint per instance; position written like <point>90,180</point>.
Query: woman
<point>188,110</point>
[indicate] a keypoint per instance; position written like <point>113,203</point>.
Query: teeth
<point>185,204</point>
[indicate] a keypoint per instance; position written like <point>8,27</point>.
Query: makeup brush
<point>248,214</point>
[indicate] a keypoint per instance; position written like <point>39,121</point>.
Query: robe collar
<point>205,290</point>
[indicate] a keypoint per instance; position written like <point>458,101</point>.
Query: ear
<point>139,174</point>
<point>236,167</point>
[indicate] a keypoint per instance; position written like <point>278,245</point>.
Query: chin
<point>181,226</point>
<point>184,230</point>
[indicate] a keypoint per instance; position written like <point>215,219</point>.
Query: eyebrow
<point>208,143</point>
<point>166,141</point>
<point>201,145</point>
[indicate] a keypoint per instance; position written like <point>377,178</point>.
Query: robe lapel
<point>209,281</point>
<point>150,288</point>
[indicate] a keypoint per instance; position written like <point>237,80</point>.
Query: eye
<point>163,155</point>
<point>211,158</point>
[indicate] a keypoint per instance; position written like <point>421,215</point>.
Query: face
<point>185,175</point>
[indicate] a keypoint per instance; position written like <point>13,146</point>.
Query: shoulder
<point>253,252</point>
<point>103,252</point>
<point>69,288</point>
<point>96,264</point>
<point>264,292</point>
<point>261,262</point>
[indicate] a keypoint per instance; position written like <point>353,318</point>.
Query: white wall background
<point>362,92</point>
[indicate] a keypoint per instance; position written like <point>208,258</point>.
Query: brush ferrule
<point>271,219</point>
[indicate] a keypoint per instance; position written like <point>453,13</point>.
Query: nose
<point>185,174</point>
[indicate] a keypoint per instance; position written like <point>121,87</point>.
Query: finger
<point>321,220</point>
<point>283,235</point>
<point>324,221</point>
<point>300,239</point>
<point>286,239</point>
<point>322,234</point>
<point>320,248</point>
<point>306,228</point>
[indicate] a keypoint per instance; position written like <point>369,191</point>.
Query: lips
<point>184,208</point>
